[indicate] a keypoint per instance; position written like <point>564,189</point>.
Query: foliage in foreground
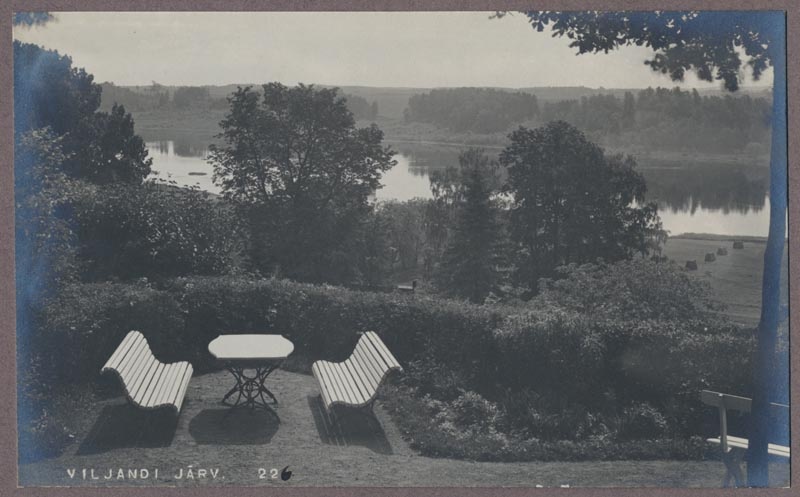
<point>472,427</point>
<point>100,147</point>
<point>555,373</point>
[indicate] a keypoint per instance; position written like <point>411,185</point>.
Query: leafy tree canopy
<point>710,43</point>
<point>297,143</point>
<point>28,19</point>
<point>296,156</point>
<point>573,203</point>
<point>48,92</point>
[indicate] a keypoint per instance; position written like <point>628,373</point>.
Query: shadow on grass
<point>238,427</point>
<point>124,426</point>
<point>348,427</point>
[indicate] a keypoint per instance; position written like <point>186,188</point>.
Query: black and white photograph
<point>479,248</point>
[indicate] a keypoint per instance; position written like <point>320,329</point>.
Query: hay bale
<point>738,244</point>
<point>691,265</point>
<point>722,251</point>
<point>710,257</point>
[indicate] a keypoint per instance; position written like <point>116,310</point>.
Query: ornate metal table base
<point>250,390</point>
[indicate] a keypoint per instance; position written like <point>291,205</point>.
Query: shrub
<point>154,230</point>
<point>629,290</point>
<point>428,425</point>
<point>80,328</point>
<point>642,420</point>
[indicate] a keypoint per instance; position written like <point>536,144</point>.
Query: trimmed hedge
<point>549,373</point>
<point>555,352</point>
<point>86,322</point>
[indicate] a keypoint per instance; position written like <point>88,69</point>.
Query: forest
<point>650,119</point>
<point>653,119</point>
<point>481,110</point>
<point>157,97</point>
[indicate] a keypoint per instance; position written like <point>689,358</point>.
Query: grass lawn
<point>318,451</point>
<point>735,278</point>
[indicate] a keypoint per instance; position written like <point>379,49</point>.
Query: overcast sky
<point>365,48</point>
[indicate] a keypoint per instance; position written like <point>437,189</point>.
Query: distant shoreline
<point>203,126</point>
<point>721,238</point>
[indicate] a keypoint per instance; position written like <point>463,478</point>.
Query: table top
<point>250,348</point>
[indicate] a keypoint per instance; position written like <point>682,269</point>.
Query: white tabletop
<point>250,348</point>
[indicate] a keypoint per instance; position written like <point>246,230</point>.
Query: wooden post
<point>723,425</point>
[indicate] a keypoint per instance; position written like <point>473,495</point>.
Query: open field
<point>356,451</point>
<point>735,278</point>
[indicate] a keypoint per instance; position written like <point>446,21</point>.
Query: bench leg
<point>733,467</point>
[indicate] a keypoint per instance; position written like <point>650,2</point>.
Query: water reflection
<point>184,164</point>
<point>692,197</point>
<point>689,187</point>
<point>178,148</point>
<point>724,187</point>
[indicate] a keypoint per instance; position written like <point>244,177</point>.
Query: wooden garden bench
<point>734,448</point>
<point>148,383</point>
<point>354,382</point>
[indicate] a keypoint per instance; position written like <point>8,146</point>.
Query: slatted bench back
<point>148,382</point>
<point>356,380</point>
<point>725,402</point>
<point>370,350</point>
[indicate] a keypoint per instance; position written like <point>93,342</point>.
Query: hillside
<point>392,101</point>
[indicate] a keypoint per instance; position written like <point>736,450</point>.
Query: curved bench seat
<point>354,382</point>
<point>148,383</point>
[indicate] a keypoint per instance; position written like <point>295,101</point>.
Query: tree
<point>48,92</point>
<point>44,239</point>
<point>295,162</point>
<point>405,231</point>
<point>30,19</point>
<point>713,45</point>
<point>472,262</point>
<point>482,110</point>
<point>628,111</point>
<point>571,202</point>
<point>187,97</point>
<point>153,230</point>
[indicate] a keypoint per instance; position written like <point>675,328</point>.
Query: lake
<point>693,197</point>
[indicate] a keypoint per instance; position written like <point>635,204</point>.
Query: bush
<point>154,230</point>
<point>642,420</point>
<point>548,380</point>
<point>81,327</point>
<point>429,426</point>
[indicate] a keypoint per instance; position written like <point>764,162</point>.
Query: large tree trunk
<point>764,374</point>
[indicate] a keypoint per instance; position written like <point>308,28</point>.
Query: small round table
<point>260,353</point>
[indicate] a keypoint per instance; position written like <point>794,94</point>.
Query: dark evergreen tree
<point>628,111</point>
<point>473,260</point>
